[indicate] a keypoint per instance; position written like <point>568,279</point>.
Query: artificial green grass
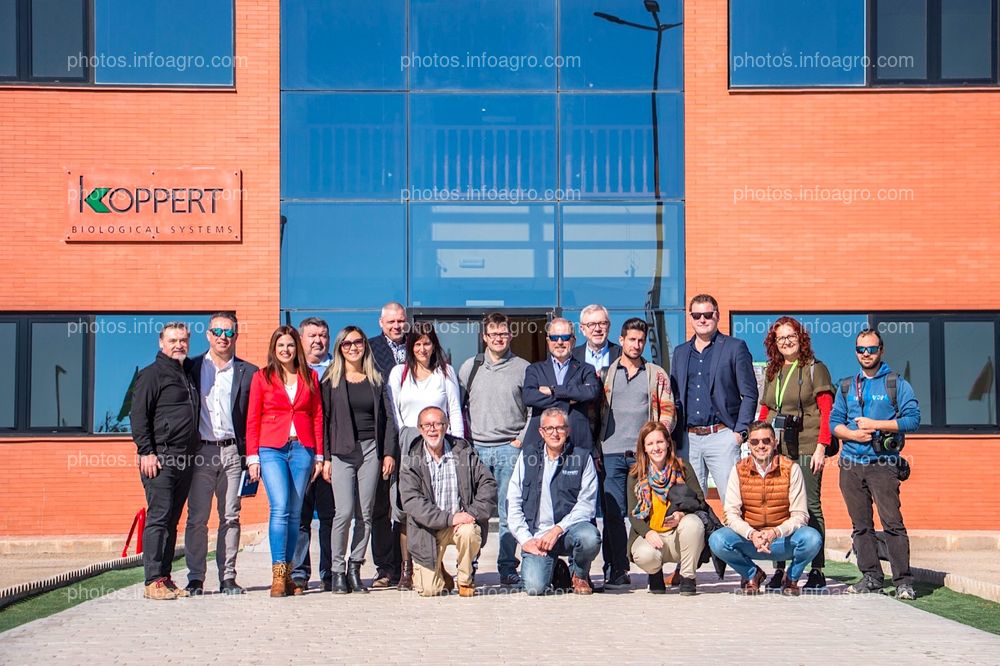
<point>939,600</point>
<point>50,603</point>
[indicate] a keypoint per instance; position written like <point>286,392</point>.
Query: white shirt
<point>216,421</point>
<point>410,397</point>
<point>290,390</point>
<point>583,511</point>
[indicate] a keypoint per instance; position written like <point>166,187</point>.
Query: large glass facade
<point>487,154</point>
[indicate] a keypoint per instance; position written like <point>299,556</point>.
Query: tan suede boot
<point>278,572</point>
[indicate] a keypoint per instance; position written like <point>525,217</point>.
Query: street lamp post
<point>657,336</point>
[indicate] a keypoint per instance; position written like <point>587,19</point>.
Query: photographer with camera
<point>798,392</point>
<point>870,415</point>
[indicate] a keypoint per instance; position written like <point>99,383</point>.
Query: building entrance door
<point>461,337</point>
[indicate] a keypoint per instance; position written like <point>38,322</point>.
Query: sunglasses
<point>702,315</point>
<point>870,349</point>
<point>347,344</point>
<point>219,332</point>
<point>760,442</point>
<point>565,337</point>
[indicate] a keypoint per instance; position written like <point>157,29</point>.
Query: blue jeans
<point>500,460</point>
<point>613,477</point>
<point>740,554</point>
<point>286,473</point>
<point>581,542</point>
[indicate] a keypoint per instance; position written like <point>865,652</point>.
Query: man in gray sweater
<point>491,383</point>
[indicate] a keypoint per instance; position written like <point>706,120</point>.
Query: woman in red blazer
<point>284,444</point>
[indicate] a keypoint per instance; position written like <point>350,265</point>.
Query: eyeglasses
<point>702,315</point>
<point>785,339</point>
<point>219,332</point>
<point>498,336</point>
<point>761,442</point>
<point>597,324</point>
<point>565,337</point>
<point>347,344</point>
<point>870,349</point>
<point>551,430</point>
<point>433,425</point>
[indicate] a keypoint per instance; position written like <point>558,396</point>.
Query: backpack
<point>891,381</point>
<point>476,364</point>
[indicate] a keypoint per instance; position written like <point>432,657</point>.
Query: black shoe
<point>229,586</point>
<point>510,580</point>
<point>338,584</point>
<point>656,583</point>
<point>815,581</point>
<point>867,585</point>
<point>301,583</point>
<point>354,581</point>
<point>618,582</point>
<point>776,580</point>
<point>327,585</point>
<point>195,588</point>
<point>688,587</point>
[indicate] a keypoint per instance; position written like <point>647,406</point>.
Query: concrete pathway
<point>495,627</point>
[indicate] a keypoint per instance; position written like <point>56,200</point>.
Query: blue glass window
<point>482,147</point>
<point>482,44</point>
<point>347,45</point>
<point>606,145</point>
<point>8,374</point>
<point>475,255</point>
<point>183,42</point>
<point>123,345</point>
<point>57,376</point>
<point>338,255</point>
<point>8,45</point>
<point>343,145</point>
<point>57,44</point>
<point>796,43</point>
<point>832,337</point>
<point>610,255</point>
<point>901,39</point>
<point>600,55</point>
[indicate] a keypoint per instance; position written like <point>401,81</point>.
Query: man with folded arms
<point>766,515</point>
<point>448,496</point>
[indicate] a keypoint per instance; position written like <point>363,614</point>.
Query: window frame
<point>24,44</point>
<point>933,46</point>
<point>22,374</point>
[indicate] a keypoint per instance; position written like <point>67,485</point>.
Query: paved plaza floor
<point>716,626</point>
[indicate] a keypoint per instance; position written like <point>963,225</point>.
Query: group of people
<point>387,443</point>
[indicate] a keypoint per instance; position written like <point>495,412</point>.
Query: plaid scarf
<point>655,482</point>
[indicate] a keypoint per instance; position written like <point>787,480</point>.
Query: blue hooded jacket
<point>878,406</point>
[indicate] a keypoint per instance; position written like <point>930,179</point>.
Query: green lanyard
<point>779,392</point>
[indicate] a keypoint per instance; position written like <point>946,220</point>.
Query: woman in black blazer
<point>360,444</point>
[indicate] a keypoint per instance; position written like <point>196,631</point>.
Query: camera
<point>887,442</point>
<point>788,428</point>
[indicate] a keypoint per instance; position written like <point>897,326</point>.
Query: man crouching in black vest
<point>551,503</point>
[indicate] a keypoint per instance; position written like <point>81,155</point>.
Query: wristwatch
<point>745,434</point>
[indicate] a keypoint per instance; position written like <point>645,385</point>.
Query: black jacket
<point>575,396</point>
<point>239,399</point>
<point>165,408</point>
<point>384,359</point>
<point>338,422</point>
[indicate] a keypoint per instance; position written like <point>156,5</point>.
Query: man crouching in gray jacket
<point>448,496</point>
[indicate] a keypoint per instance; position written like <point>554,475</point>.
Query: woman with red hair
<point>798,398</point>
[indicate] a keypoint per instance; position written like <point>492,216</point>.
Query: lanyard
<point>779,390</point>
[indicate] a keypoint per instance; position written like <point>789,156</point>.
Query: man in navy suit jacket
<point>564,382</point>
<point>716,395</point>
<point>223,383</point>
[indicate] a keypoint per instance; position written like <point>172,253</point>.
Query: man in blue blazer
<point>716,395</point>
<point>223,383</point>
<point>564,382</point>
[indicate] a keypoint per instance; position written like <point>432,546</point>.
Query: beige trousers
<point>467,539</point>
<point>684,544</point>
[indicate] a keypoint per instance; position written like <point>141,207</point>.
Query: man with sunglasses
<point>564,382</point>
<point>223,383</point>
<point>318,498</point>
<point>716,395</point>
<point>869,414</point>
<point>766,515</point>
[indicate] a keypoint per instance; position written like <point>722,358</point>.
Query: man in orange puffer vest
<point>766,515</point>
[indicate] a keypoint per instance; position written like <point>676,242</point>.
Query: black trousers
<point>878,482</point>
<point>166,494</point>
<point>318,498</point>
<point>385,540</point>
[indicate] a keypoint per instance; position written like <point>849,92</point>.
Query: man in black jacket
<point>448,496</point>
<point>164,420</point>
<point>223,382</point>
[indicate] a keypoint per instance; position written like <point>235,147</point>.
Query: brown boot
<point>406,576</point>
<point>278,572</point>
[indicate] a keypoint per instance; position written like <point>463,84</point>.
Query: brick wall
<point>755,249</point>
<point>44,131</point>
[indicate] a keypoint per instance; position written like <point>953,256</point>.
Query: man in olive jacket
<point>448,495</point>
